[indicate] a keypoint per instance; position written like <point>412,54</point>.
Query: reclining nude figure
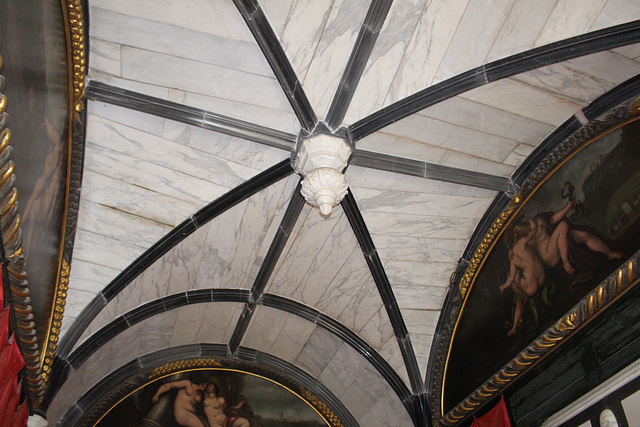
<point>215,407</point>
<point>188,396</point>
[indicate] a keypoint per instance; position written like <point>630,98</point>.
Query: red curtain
<point>497,417</point>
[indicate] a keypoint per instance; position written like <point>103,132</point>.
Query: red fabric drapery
<point>497,417</point>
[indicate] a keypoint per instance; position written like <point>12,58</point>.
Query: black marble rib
<point>360,54</point>
<point>175,236</point>
<point>277,59</point>
<point>574,47</point>
<point>384,287</point>
<point>612,98</point>
<point>103,92</point>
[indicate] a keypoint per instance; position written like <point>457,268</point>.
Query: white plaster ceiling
<point>144,174</point>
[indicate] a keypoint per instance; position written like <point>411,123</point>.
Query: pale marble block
<point>105,251</point>
<point>567,82</point>
<point>263,329</point>
<point>198,77</point>
<point>631,51</point>
<point>359,177</point>
<point>173,156</point>
<point>76,301</point>
<point>283,119</point>
<point>391,353</point>
<point>451,137</point>
<point>364,305</point>
<point>247,153</point>
<point>318,351</point>
<point>385,58</point>
<point>617,12</point>
<point>480,17</point>
<point>427,47</point>
<point>608,66</point>
<point>219,322</point>
<point>90,277</point>
<point>419,273</point>
<point>186,257</point>
<point>387,143</point>
<point>476,164</point>
<point>99,219</point>
<point>421,297</point>
<point>136,86</point>
<point>421,344</point>
<point>105,57</point>
<point>154,334</point>
<point>418,225</point>
<point>370,389</point>
<point>570,18</point>
<point>136,200</point>
<point>483,118</point>
<point>388,411</point>
<point>378,329</point>
<point>418,249</point>
<point>219,247</point>
<point>67,321</point>
<point>152,284</point>
<point>125,346</point>
<point>422,322</point>
<point>181,42</point>
<point>188,322</point>
<point>521,28</point>
<point>518,155</point>
<point>277,13</point>
<point>343,369</point>
<point>346,284</point>
<point>145,122</point>
<point>307,19</point>
<point>218,17</point>
<point>332,53</point>
<point>524,100</point>
<point>290,341</point>
<point>421,204</point>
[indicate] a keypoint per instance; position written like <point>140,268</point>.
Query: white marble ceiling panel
<point>183,43</point>
<point>105,58</point>
<point>361,309</point>
<point>385,58</point>
<point>378,329</point>
<point>186,257</point>
<point>277,13</point>
<point>418,249</point>
<point>188,323</point>
<point>422,346</point>
<point>617,11</point>
<point>631,51</point>
<point>318,351</point>
<point>476,164</point>
<point>332,53</point>
<point>218,322</point>
<point>218,17</point>
<point>427,47</point>
<point>394,145</point>
<point>524,100</point>
<point>391,354</point>
<point>569,18</point>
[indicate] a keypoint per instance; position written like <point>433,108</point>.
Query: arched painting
<point>572,230</point>
<point>213,398</point>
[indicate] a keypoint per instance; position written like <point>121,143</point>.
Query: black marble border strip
<point>275,55</point>
<point>369,31</point>
<point>98,91</point>
<point>175,236</point>
<point>384,287</point>
<point>608,38</point>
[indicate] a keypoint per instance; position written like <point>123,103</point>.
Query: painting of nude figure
<point>213,398</point>
<point>574,229</point>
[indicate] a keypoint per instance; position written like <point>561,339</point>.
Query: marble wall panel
<point>630,51</point>
<point>277,13</point>
<point>135,200</point>
<point>378,329</point>
<point>293,336</point>
<point>427,47</point>
<point>616,12</point>
<point>136,86</point>
<point>361,309</point>
<point>570,18</point>
<point>390,352</point>
<point>218,17</point>
<point>473,115</point>
<point>420,297</point>
<point>186,258</point>
<point>343,369</point>
<point>417,225</point>
<point>518,156</point>
<point>480,17</point>
<point>387,53</point>
<point>105,251</point>
<point>219,321</point>
<point>174,157</point>
<point>419,273</point>
<point>524,100</point>
<point>383,411</point>
<point>125,116</point>
<point>352,277</point>
<point>263,329</point>
<point>153,334</point>
<point>90,277</point>
<point>417,249</point>
<point>566,82</point>
<point>318,351</point>
<point>302,32</point>
<point>198,77</point>
<point>386,143</point>
<point>452,137</point>
<point>188,323</point>
<point>76,301</point>
<point>421,344</point>
<point>105,57</point>
<point>609,66</point>
<point>181,42</point>
<point>521,28</point>
<point>332,53</point>
<point>464,161</point>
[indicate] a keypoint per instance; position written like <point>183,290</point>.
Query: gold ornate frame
<point>621,280</point>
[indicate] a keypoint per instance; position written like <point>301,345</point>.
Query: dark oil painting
<point>575,229</point>
<point>213,398</point>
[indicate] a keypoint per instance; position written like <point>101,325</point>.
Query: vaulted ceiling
<point>191,228</point>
